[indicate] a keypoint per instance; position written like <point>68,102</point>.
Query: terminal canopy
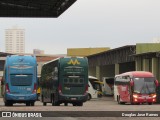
<point>34,8</point>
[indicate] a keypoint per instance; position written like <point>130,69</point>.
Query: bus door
<point>125,90</point>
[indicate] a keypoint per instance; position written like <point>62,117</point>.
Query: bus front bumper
<point>73,98</point>
<point>21,97</point>
<point>144,100</point>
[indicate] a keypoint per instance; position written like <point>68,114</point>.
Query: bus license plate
<point>73,98</point>
<point>21,98</point>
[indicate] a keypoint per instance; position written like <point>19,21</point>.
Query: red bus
<point>135,87</point>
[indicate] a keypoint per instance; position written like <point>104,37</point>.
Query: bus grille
<point>73,81</point>
<point>21,82</point>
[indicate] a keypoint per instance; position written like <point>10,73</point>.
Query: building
<point>85,51</point>
<point>156,40</point>
<point>15,40</point>
<point>37,51</point>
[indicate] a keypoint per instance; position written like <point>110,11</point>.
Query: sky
<point>89,24</point>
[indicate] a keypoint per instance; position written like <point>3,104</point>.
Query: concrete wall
<point>147,47</point>
<point>85,51</point>
<point>92,71</point>
<point>151,65</point>
<point>107,71</point>
<point>139,64</point>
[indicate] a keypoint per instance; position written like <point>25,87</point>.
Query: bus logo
<point>20,59</point>
<point>73,62</point>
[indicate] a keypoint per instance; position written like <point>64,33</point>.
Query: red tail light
<point>86,89</point>
<point>60,89</point>
<point>35,88</point>
<point>156,82</point>
<point>7,88</point>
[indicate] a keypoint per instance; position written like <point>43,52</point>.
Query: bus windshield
<point>21,80</point>
<point>144,85</point>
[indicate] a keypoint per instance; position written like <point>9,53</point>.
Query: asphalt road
<point>95,108</point>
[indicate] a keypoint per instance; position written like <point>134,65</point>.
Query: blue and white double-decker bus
<point>19,82</point>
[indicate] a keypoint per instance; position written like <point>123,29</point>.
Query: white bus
<point>108,86</point>
<point>94,88</point>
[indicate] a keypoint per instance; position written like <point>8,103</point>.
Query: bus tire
<point>131,100</point>
<point>119,102</point>
<point>150,103</point>
<point>55,103</point>
<point>65,104</point>
<point>32,103</point>
<point>118,99</point>
<point>89,97</point>
<point>44,103</point>
<point>80,104</point>
<point>7,103</point>
<point>27,103</point>
<point>74,104</point>
<point>10,104</point>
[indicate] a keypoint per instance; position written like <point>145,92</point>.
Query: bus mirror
<point>131,83</point>
<point>156,82</point>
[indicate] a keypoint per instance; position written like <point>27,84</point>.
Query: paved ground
<point>99,105</point>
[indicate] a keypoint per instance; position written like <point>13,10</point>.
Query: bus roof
<point>137,74</point>
<point>17,59</point>
<point>59,58</point>
<point>91,77</point>
<point>99,82</point>
<point>51,61</point>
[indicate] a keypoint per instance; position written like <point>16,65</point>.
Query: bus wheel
<point>74,104</point>
<point>27,103</point>
<point>44,103</point>
<point>7,103</point>
<point>150,103</point>
<point>118,99</point>
<point>66,104</point>
<point>32,103</point>
<point>55,103</point>
<point>10,104</point>
<point>80,104</point>
<point>89,96</point>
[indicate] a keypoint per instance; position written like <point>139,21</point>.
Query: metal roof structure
<point>34,8</point>
<point>147,55</point>
<point>3,54</point>
<point>112,56</point>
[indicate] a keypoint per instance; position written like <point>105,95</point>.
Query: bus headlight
<point>154,96</point>
<point>135,96</point>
